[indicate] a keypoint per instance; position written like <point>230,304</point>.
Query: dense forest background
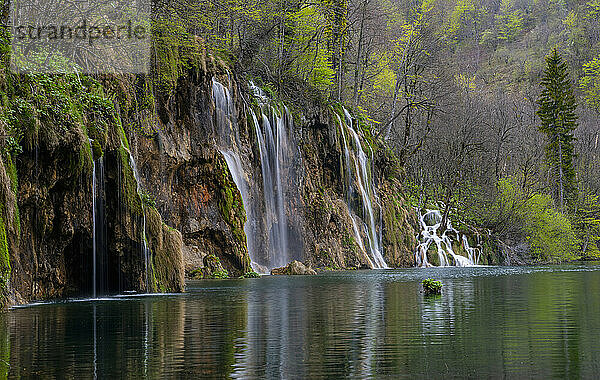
<point>452,87</point>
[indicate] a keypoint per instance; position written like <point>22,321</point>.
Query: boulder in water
<point>212,269</point>
<point>293,268</point>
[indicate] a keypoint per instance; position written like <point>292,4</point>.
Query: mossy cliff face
<point>64,126</point>
<point>399,235</point>
<point>330,240</point>
<point>60,127</point>
<point>187,176</point>
<point>328,231</point>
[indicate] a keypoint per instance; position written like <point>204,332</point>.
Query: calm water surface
<point>497,322</point>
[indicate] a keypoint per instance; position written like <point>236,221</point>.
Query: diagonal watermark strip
<point>86,36</point>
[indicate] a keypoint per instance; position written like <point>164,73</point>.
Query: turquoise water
<point>494,322</point>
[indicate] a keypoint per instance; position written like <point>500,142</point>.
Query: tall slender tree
<point>556,110</point>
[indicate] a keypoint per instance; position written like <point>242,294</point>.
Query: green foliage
<point>432,287</point>
<point>587,220</point>
<point>590,83</point>
<point>557,106</point>
<point>313,61</point>
<point>175,49</point>
<point>250,274</point>
<point>222,274</point>
<point>510,22</point>
<point>464,14</point>
<point>550,234</point>
<point>5,269</point>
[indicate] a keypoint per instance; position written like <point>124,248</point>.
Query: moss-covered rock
<point>399,235</point>
<point>432,287</point>
<point>166,246</point>
<point>212,269</point>
<point>294,268</point>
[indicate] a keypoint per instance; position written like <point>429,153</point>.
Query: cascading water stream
<point>228,145</point>
<point>234,163</point>
<point>272,145</point>
<point>280,160</point>
<point>98,225</point>
<point>357,175</point>
<point>431,223</point>
<point>265,205</point>
<point>145,248</point>
<point>93,226</point>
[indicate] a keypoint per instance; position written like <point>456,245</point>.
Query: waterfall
<point>234,163</point>
<point>278,156</point>
<point>98,225</point>
<point>267,205</point>
<point>145,250</point>
<point>93,226</point>
<point>431,222</point>
<point>228,144</point>
<point>358,177</point>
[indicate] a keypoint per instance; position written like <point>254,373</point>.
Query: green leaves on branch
<point>590,83</point>
<point>549,233</point>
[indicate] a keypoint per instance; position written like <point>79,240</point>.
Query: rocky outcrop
<point>182,169</point>
<point>295,268</point>
<point>162,186</point>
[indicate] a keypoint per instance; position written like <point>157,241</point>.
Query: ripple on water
<point>489,322</point>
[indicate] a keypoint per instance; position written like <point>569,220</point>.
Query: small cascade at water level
<point>431,223</point>
<point>359,178</point>
<point>145,250</point>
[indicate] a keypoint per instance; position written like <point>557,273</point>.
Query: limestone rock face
<point>294,268</point>
<point>181,202</point>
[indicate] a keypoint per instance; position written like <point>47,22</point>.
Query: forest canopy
<point>452,87</point>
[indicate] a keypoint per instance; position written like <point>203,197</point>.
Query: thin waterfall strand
<point>358,176</point>
<point>145,248</point>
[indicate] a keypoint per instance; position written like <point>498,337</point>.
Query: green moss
<point>123,136</point>
<point>96,150</point>
<point>432,287</point>
<point>231,204</point>
<point>11,170</point>
<point>222,274</point>
<point>129,185</point>
<point>250,274</point>
<point>175,51</point>
<point>5,269</point>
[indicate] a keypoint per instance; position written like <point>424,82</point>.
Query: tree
<point>590,83</point>
<point>557,106</point>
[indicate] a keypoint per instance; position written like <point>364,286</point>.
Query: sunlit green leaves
<point>550,234</point>
<point>590,83</point>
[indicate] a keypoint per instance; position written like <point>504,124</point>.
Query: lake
<point>494,322</point>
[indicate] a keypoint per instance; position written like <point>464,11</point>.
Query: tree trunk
<point>560,176</point>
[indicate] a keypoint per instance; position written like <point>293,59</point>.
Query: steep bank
<point>123,183</point>
<point>74,215</point>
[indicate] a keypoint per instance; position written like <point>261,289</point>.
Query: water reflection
<point>489,322</point>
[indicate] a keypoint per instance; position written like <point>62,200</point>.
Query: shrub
<point>431,286</point>
<point>250,274</point>
<point>549,233</point>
